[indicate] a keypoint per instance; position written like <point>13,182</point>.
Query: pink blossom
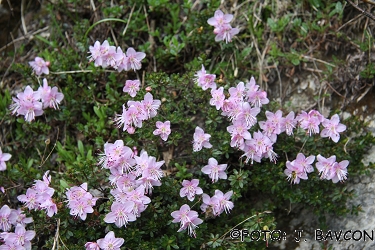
<point>109,242</point>
<point>131,87</point>
<point>80,202</point>
<point>3,158</point>
<point>332,128</point>
<point>221,202</point>
<point>150,105</point>
<point>237,92</point>
<point>289,123</point>
<point>40,66</point>
<point>27,104</point>
<point>219,19</point>
<point>255,96</point>
<point>188,219</point>
<point>239,134</point>
<point>21,237</point>
<point>248,115</point>
<point>251,152</point>
<point>201,140</point>
<point>163,129</point>
<point>339,171</point>
<point>295,172</point>
<point>50,97</point>
<point>5,224</point>
<point>120,213</point>
<point>133,60</point>
<point>217,97</point>
<point>92,246</point>
<point>205,80</point>
<point>109,59</point>
<point>325,165</point>
<point>190,189</point>
<point>304,162</point>
<point>214,170</point>
<point>17,216</point>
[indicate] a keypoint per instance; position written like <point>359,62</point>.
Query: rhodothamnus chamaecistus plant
<point>142,192</point>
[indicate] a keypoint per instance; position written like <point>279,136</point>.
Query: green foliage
<point>178,41</point>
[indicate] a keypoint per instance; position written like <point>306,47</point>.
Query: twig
<point>78,71</point>
<point>56,238</point>
<point>361,10</point>
<point>44,161</point>
<point>22,17</point>
<point>130,16</point>
<point>318,60</point>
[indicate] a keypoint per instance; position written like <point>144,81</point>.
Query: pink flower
<point>239,134</point>
<point>201,140</point>
<point>110,242</point>
<point>3,158</point>
<point>255,96</point>
<point>220,19</point>
<point>131,87</point>
<point>289,123</point>
<point>309,122</point>
<point>221,202</point>
<point>325,165</point>
<point>40,66</point>
<point>21,237</point>
<point>304,162</point>
<point>50,97</point>
<point>339,171</point>
<point>248,115</point>
<point>80,202</point>
<point>187,218</point>
<point>17,216</point>
<point>214,170</point>
<point>133,60</point>
<point>5,224</point>
<point>92,246</point>
<point>205,80</point>
<point>120,213</point>
<point>163,129</point>
<point>223,29</point>
<point>295,172</point>
<point>31,199</point>
<point>332,128</point>
<point>217,97</point>
<point>150,105</point>
<point>190,189</point>
<point>27,104</point>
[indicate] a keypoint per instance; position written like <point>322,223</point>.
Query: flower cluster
<point>19,239</point>
<point>40,66</point>
<point>105,55</point>
<point>39,196</point>
<point>133,177</point>
<point>9,217</point>
<point>80,201</point>
<point>217,203</point>
<point>109,242</point>
<point>328,169</point>
<point>136,112</point>
<point>222,29</point>
<point>30,103</point>
<point>3,158</point>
